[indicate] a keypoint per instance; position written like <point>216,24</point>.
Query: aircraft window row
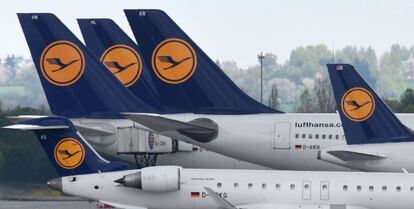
<point>264,186</point>
<point>318,136</point>
<point>324,187</point>
<point>371,188</point>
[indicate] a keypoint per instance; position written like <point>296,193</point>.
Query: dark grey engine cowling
<point>207,132</point>
<point>154,179</point>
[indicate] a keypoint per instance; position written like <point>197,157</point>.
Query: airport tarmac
<point>5,204</point>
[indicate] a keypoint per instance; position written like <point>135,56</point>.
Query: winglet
<point>223,203</point>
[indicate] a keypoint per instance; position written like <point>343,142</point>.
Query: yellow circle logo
<point>174,61</point>
<point>358,104</point>
<point>69,153</point>
<point>62,63</point>
<point>124,62</point>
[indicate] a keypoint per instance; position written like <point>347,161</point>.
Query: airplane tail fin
<point>365,117</point>
<point>68,151</point>
<point>75,82</point>
<point>121,55</point>
<point>185,77</point>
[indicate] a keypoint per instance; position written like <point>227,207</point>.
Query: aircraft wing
<point>346,155</point>
<point>223,203</point>
<point>122,206</point>
<point>200,129</point>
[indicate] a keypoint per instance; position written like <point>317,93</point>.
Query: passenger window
<point>236,185</point>
<point>359,188</point>
<point>303,136</point>
<point>306,186</point>
<point>330,136</point>
<point>277,186</point>
<point>297,136</point>
<point>336,137</point>
<point>292,187</point>
<point>398,188</point>
<point>316,136</point>
<point>412,189</point>
<point>371,188</point>
<point>219,185</point>
<point>384,188</point>
<point>310,136</point>
<point>324,187</point>
<point>250,185</point>
<point>264,186</point>
<point>323,136</point>
<point>345,188</point>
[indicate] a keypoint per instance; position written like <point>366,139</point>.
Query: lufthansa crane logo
<point>62,63</point>
<point>124,62</point>
<point>174,61</point>
<point>69,153</point>
<point>358,104</point>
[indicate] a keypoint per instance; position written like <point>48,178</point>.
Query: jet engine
<point>153,179</point>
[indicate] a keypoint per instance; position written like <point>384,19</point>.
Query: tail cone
<point>120,181</point>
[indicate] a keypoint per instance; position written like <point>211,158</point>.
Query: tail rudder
<point>183,74</point>
<point>68,151</point>
<point>75,82</point>
<point>365,117</point>
<point>121,56</point>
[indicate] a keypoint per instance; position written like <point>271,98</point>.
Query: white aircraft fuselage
<point>280,141</point>
<point>259,189</point>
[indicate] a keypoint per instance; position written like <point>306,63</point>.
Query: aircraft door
<point>324,190</point>
<point>306,190</point>
<point>282,135</point>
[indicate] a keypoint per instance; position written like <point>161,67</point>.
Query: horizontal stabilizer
<point>223,203</point>
<point>18,118</point>
<point>61,141</point>
<point>93,130</point>
<point>201,129</point>
<point>26,127</point>
<point>345,155</point>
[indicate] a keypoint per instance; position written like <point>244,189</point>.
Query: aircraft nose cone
<point>55,184</point>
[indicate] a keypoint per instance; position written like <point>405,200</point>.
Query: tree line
<point>303,78</point>
<point>299,84</point>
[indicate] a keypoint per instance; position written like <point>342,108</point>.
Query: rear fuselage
<point>280,141</point>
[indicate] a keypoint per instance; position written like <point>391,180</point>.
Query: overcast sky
<point>238,30</point>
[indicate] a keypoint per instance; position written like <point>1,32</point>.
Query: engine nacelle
<point>154,179</point>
